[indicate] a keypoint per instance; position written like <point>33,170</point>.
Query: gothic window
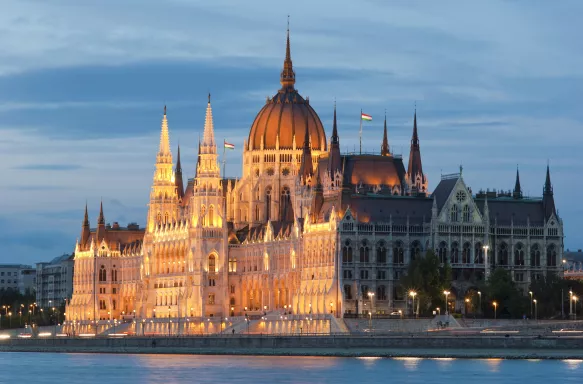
<point>347,252</point>
<point>211,221</point>
<point>270,172</point>
<point>519,254</point>
<point>381,253</point>
<point>348,292</point>
<point>211,300</point>
<point>347,273</point>
<point>460,196</point>
<point>256,213</point>
<point>166,218</point>
<point>466,253</point>
<point>268,203</point>
<point>102,274</point>
<point>415,250</point>
<point>364,290</point>
<point>454,213</point>
<point>398,254</point>
<point>285,172</point>
<point>478,254</point>
<point>381,292</point>
<point>212,263</point>
<point>232,301</point>
<point>159,217</point>
<point>455,253</point>
<point>114,274</point>
<point>364,274</point>
<point>442,252</point>
<point>466,214</point>
<point>503,254</point>
<point>113,304</point>
<point>285,205</point>
<point>535,256</point>
<point>364,252</point>
<point>551,256</point>
<point>203,214</point>
<point>212,282</point>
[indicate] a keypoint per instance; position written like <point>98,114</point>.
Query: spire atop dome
<point>385,146</point>
<point>517,193</point>
<point>288,76</point>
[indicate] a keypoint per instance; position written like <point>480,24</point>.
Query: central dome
<point>285,116</point>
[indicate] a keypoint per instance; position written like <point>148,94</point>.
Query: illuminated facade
<point>306,229</point>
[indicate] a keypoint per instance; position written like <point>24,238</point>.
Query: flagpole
<point>360,134</point>
<point>224,159</point>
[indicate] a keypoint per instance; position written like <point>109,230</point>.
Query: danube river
<point>111,369</point>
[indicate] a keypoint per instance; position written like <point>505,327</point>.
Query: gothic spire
<point>100,233</point>
<point>415,138</point>
<point>208,137</point>
<point>517,193</point>
<point>288,76</point>
<point>306,168</point>
<point>548,199</point>
<point>85,230</point>
<point>178,177</point>
<point>415,169</point>
<point>334,162</point>
<point>164,151</point>
<point>86,219</point>
<point>101,219</point>
<point>335,139</point>
<point>385,146</point>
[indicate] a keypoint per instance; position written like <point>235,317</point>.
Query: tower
<point>517,193</point>
<point>334,162</point>
<point>415,175</point>
<point>163,207</point>
<point>385,151</point>
<point>100,234</point>
<point>85,231</point>
<point>178,177</point>
<point>548,198</point>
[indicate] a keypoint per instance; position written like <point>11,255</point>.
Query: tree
<point>551,291</point>
<point>510,300</point>
<point>428,278</point>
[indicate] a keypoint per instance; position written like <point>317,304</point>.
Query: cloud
<point>49,167</point>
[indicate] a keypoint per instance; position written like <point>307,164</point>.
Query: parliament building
<point>306,229</point>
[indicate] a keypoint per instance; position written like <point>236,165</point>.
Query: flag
<point>366,117</point>
<point>229,146</point>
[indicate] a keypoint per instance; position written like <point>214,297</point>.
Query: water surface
<point>112,369</point>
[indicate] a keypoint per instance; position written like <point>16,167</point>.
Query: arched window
<point>285,207</point>
<point>442,252</point>
<point>347,252</point>
<point>364,252</point>
<point>268,203</point>
<point>212,263</point>
<point>454,213</point>
<point>203,215</point>
<point>455,253</point>
<point>503,254</point>
<point>519,254</point>
<point>159,217</point>
<point>398,254</point>
<point>348,292</point>
<point>466,252</point>
<point>535,256</point>
<point>551,256</point>
<point>478,254</point>
<point>102,274</point>
<point>166,218</point>
<point>381,253</point>
<point>415,250</point>
<point>364,291</point>
<point>466,214</point>
<point>257,213</point>
<point>381,292</point>
<point>114,274</point>
<point>211,221</point>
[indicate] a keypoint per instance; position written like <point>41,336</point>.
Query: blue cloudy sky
<point>83,83</point>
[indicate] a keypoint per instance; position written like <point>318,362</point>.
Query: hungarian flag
<point>229,146</point>
<point>366,117</point>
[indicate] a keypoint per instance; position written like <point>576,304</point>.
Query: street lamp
<point>446,293</point>
<point>331,308</point>
<point>486,247</point>
<point>467,305</point>
<point>575,312</point>
<point>535,309</point>
<point>371,297</point>
<point>438,311</point>
<point>480,303</point>
<point>495,304</point>
<point>530,293</point>
<point>413,294</point>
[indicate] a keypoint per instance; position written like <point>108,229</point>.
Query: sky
<point>497,84</point>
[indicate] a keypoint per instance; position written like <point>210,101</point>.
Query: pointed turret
<point>164,151</point>
<point>208,136</point>
<point>415,169</point>
<point>517,193</point>
<point>288,76</point>
<point>85,230</point>
<point>178,177</point>
<point>548,198</point>
<point>385,146</point>
<point>100,224</point>
<point>306,167</point>
<point>334,162</point>
<point>317,200</point>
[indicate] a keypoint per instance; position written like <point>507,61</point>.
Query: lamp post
<point>530,293</point>
<point>371,297</point>
<point>486,247</point>
<point>413,294</point>
<point>467,305</point>
<point>10,318</point>
<point>570,303</point>
<point>446,293</point>
<point>535,309</point>
<point>575,311</point>
<point>438,311</point>
<point>169,321</point>
<point>480,301</point>
<point>495,304</point>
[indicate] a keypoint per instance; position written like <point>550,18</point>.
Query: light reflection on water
<point>156,369</point>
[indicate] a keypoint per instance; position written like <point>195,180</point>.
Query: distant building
<point>573,264</point>
<point>54,281</point>
<point>27,281</point>
<point>11,277</point>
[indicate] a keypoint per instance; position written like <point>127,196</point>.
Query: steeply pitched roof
<point>504,210</point>
<point>443,190</point>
